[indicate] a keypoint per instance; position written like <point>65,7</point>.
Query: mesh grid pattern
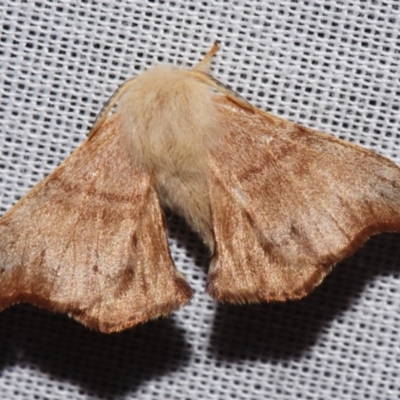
<point>332,65</point>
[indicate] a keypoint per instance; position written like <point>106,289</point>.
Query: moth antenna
<point>203,65</point>
<point>110,103</point>
<point>220,87</point>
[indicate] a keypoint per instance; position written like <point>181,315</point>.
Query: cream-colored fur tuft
<point>168,120</point>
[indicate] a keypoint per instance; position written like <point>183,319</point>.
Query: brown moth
<point>278,205</point>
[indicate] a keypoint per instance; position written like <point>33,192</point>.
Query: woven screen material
<point>332,65</point>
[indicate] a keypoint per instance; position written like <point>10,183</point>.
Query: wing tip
<point>260,294</point>
<point>112,323</point>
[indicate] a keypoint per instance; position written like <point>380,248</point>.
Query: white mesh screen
<point>333,65</point>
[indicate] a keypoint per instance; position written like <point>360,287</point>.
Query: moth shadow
<point>285,331</point>
<point>105,366</point>
<point>186,238</point>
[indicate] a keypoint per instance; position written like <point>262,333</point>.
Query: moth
<point>278,205</point>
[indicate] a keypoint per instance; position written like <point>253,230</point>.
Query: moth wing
<point>90,241</point>
<point>288,203</point>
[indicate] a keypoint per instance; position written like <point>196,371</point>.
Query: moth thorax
<point>168,119</point>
